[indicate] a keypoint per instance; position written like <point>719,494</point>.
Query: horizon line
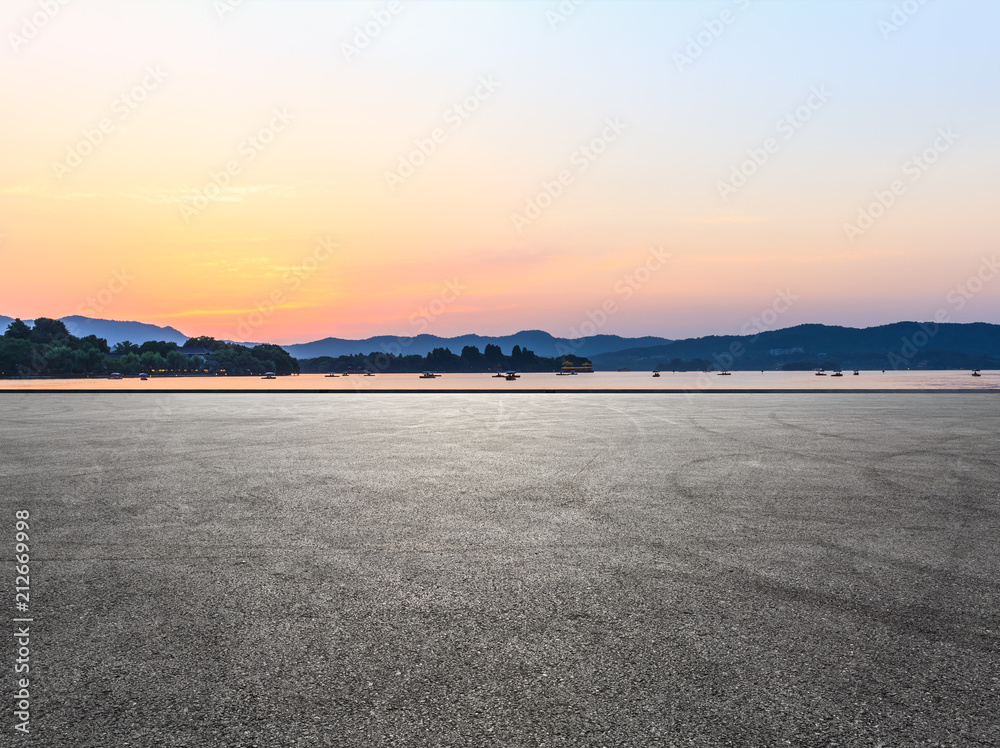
<point>507,335</point>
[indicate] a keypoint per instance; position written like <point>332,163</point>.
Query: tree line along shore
<point>49,350</point>
<point>470,360</point>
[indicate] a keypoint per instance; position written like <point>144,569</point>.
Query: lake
<point>669,382</point>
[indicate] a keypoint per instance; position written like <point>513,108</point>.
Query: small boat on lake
<point>429,375</point>
<point>656,373</point>
<point>269,375</point>
<point>976,373</point>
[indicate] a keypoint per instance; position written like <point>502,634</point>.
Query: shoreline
<point>533,391</point>
<point>532,383</point>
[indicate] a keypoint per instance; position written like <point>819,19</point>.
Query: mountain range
<point>114,331</point>
<point>542,343</point>
<point>900,345</point>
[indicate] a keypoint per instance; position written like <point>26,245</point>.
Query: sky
<point>283,170</point>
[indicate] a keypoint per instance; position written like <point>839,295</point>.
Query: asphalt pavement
<point>506,569</point>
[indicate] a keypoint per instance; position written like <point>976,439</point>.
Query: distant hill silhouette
<point>902,345</point>
<point>114,331</point>
<point>542,343</point>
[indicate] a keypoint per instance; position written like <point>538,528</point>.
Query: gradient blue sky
<point>657,185</point>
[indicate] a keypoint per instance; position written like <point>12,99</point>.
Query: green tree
<point>48,330</point>
<point>92,341</point>
<point>209,344</point>
<point>14,354</point>
<point>157,346</point>
<point>493,355</point>
<point>153,361</point>
<point>62,359</point>
<point>92,360</point>
<point>275,358</point>
<point>130,363</point>
<point>176,361</point>
<point>19,330</point>
<point>442,359</point>
<point>224,360</point>
<point>472,359</point>
<point>126,346</point>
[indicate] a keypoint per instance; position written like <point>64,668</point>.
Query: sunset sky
<point>286,171</point>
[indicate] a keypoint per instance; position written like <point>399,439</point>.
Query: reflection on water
<point>667,381</point>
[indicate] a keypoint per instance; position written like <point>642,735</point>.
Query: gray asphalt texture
<point>507,570</point>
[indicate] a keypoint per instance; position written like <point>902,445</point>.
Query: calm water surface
<point>681,381</point>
